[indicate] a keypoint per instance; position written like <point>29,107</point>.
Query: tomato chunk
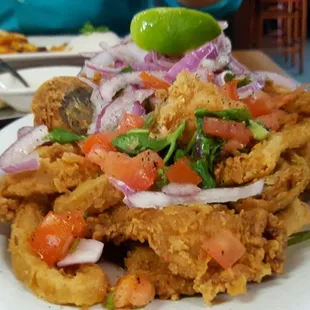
<point>130,121</point>
<point>232,146</point>
<point>150,81</point>
<point>225,248</point>
<point>104,139</point>
<point>227,130</point>
<point>230,90</point>
<point>271,120</point>
<point>260,105</point>
<point>55,235</point>
<point>181,172</point>
<point>138,172</point>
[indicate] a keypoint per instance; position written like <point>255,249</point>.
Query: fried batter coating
<point>8,208</point>
<point>63,102</point>
<point>187,94</point>
<point>93,196</point>
<point>57,150</point>
<point>51,177</point>
<point>143,260</point>
<point>287,182</point>
<point>176,234</point>
<point>274,89</point>
<point>264,156</point>
<point>301,105</point>
<point>86,286</point>
<point>295,216</point>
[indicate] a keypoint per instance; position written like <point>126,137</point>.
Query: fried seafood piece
<point>176,234</point>
<point>57,150</point>
<point>274,89</point>
<point>8,208</point>
<point>51,177</point>
<point>85,285</point>
<point>63,102</point>
<point>301,105</point>
<point>187,94</point>
<point>295,216</point>
<point>282,187</point>
<point>143,260</point>
<point>264,156</point>
<point>93,196</point>
<point>305,153</point>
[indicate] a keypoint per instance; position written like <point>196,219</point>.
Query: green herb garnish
<point>229,77</point>
<point>149,120</point>
<point>110,301</point>
<point>204,152</point>
<point>139,140</point>
<point>127,70</point>
<point>237,115</point>
<point>244,82</point>
<point>63,136</point>
<point>162,179</point>
<point>299,237</point>
<point>88,28</point>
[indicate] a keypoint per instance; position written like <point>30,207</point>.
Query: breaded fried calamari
<point>51,177</point>
<point>187,94</point>
<point>287,182</point>
<point>295,216</point>
<point>84,285</point>
<point>176,234</point>
<point>264,156</point>
<point>93,196</point>
<point>143,260</point>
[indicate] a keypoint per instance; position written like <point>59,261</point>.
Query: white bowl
<point>19,97</point>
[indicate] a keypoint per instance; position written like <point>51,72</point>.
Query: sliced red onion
<point>121,186</point>
<point>237,68</point>
<point>101,68</point>
<point>180,190</point>
<point>190,61</point>
<point>126,39</point>
<point>88,82</point>
<point>148,67</point>
<point>160,60</point>
<point>23,131</point>
<point>138,109</point>
<point>20,155</point>
<point>219,79</point>
<point>223,24</point>
<point>101,60</point>
<point>248,90</point>
<point>109,88</point>
<point>111,114</point>
<point>88,251</point>
<point>147,199</point>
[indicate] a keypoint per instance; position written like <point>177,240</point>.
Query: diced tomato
<point>53,238</point>
<point>228,130</point>
<point>138,172</point>
<point>181,172</point>
<point>230,90</point>
<point>232,146</point>
<point>150,81</point>
<point>225,248</point>
<point>271,120</point>
<point>130,121</point>
<point>260,105</point>
<point>104,139</point>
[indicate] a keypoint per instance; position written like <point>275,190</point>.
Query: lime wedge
<point>173,31</point>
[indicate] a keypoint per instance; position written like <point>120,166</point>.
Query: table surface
<point>252,59</point>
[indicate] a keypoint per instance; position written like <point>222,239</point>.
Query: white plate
<point>19,97</point>
<point>77,44</point>
<point>287,292</point>
<point>279,79</point>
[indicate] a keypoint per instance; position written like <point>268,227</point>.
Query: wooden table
<point>256,60</point>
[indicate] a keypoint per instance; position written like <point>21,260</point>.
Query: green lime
<point>172,31</point>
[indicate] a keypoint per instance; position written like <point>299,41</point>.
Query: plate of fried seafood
<point>161,182</point>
